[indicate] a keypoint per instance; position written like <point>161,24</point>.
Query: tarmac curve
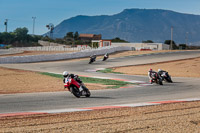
<point>182,88</point>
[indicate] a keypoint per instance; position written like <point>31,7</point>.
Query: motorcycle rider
<point>150,75</point>
<point>160,72</point>
<point>93,56</point>
<point>106,56</point>
<point>66,75</point>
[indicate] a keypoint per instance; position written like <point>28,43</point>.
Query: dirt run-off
<point>174,118</point>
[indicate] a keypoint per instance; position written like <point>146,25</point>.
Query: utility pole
<point>6,25</point>
<point>33,24</point>
<point>186,38</point>
<point>171,38</point>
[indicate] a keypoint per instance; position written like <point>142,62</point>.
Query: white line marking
<point>137,104</point>
<point>63,110</point>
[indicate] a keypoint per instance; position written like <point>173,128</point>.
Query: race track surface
<point>180,89</point>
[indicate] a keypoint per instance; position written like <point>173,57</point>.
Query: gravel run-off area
<point>173,118</point>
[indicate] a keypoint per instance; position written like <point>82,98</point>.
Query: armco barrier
<point>46,48</point>
<point>61,56</point>
<point>8,51</point>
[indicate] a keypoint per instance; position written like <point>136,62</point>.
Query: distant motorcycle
<point>156,79</point>
<point>166,77</point>
<point>73,86</point>
<point>105,57</point>
<point>92,59</point>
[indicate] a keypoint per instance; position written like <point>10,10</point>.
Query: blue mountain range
<point>137,25</point>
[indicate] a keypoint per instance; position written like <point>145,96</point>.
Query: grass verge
<point>112,83</point>
<point>109,70</point>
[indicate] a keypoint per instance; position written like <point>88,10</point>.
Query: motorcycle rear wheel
<point>160,82</point>
<point>76,92</point>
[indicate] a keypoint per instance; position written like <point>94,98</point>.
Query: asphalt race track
<point>181,88</point>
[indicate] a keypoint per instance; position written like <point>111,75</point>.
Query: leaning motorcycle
<point>156,79</point>
<point>105,57</point>
<point>92,59</point>
<point>166,77</point>
<point>73,86</point>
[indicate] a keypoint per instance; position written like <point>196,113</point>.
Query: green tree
<point>117,39</point>
<point>47,38</point>
<point>76,36</point>
<point>21,34</point>
<point>7,38</point>
<point>19,37</point>
<point>168,42</point>
<point>69,35</point>
<point>182,46</point>
<point>60,41</point>
<point>148,41</point>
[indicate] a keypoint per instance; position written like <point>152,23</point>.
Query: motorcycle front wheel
<point>169,80</point>
<point>90,62</point>
<point>87,93</point>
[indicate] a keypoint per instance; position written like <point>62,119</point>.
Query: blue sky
<point>20,12</point>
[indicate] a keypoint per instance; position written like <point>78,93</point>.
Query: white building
<point>102,43</point>
<point>144,46</point>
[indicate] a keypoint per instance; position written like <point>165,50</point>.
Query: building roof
<point>86,35</point>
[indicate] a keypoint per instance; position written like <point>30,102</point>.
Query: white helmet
<point>159,70</point>
<point>65,73</point>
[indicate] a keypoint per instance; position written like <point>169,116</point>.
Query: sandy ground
<point>167,118</point>
<point>21,81</point>
<point>180,68</point>
<point>178,117</point>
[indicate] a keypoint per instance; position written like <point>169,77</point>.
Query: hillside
<point>136,25</point>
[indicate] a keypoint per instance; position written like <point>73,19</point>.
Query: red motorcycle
<point>76,88</point>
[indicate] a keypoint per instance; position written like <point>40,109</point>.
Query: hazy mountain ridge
<point>136,25</point>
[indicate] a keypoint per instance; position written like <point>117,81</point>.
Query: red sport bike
<point>76,88</point>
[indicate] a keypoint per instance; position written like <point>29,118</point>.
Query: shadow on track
<point>99,97</point>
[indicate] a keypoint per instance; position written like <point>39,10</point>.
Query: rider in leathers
<point>106,55</point>
<point>160,72</point>
<point>150,75</point>
<point>93,56</point>
<point>66,75</point>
